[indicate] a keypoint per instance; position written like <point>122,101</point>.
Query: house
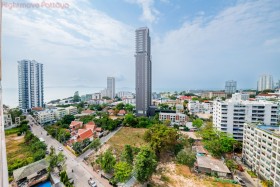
<point>84,134</point>
<point>76,125</point>
<point>111,112</point>
<point>31,174</point>
<point>88,112</point>
<point>209,165</point>
<point>121,113</point>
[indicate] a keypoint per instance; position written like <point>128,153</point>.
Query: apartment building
<point>59,113</point>
<point>211,95</point>
<point>261,151</point>
<point>46,116</point>
<point>200,107</point>
<point>229,116</point>
<point>7,120</point>
<point>175,118</point>
<point>71,110</point>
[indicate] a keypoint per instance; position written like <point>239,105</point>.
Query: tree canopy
<point>107,161</point>
<point>145,164</point>
<point>122,171</point>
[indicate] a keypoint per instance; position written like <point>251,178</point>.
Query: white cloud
<point>149,12</point>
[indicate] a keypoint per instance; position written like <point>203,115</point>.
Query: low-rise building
<point>121,113</point>
<point>46,116</point>
<point>212,95</point>
<point>76,125</point>
<point>88,112</point>
<point>175,118</point>
<point>7,120</point>
<point>71,110</point>
<point>261,151</point>
<point>205,107</point>
<point>213,166</point>
<point>59,113</point>
<point>31,174</point>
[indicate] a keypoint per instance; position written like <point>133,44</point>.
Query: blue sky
<point>196,44</point>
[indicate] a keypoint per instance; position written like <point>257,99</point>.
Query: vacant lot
<point>171,174</point>
<point>18,154</point>
<point>127,135</point>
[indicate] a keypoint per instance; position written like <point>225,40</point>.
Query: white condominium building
<point>261,151</point>
<point>71,110</point>
<point>198,107</point>
<point>175,118</point>
<point>265,82</point>
<point>59,113</point>
<point>46,116</point>
<point>229,116</point>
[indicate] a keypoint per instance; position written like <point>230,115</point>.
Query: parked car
<point>240,181</point>
<point>60,148</point>
<point>92,183</point>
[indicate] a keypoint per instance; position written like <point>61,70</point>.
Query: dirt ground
<point>173,175</point>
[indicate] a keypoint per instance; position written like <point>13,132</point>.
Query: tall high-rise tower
<point>265,83</point>
<point>143,66</point>
<point>230,87</point>
<point>30,84</point>
<point>111,87</point>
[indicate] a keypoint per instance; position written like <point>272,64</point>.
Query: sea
<point>10,95</point>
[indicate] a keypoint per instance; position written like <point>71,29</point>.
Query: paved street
<point>81,172</point>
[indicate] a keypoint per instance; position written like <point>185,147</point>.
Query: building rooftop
<point>30,169</point>
<point>271,129</point>
<point>212,163</point>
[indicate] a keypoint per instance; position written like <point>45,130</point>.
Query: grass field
<point>18,154</point>
<point>127,135</point>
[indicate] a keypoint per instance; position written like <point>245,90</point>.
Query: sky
<point>196,44</point>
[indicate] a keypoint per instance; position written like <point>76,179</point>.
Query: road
<point>81,172</point>
<point>102,141</point>
<point>245,179</point>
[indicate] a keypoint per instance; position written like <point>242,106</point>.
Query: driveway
<point>81,172</point>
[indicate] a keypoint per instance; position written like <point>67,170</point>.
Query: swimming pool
<point>44,184</point>
<point>199,154</point>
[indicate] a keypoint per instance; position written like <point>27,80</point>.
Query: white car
<point>60,149</point>
<point>92,183</point>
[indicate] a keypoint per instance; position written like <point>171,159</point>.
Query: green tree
<point>55,160</point>
<point>163,106</point>
<point>127,154</point>
<point>130,120</point>
<point>231,165</point>
<point>186,158</point>
<point>120,106</point>
<point>191,141</point>
<point>197,123</point>
<point>95,144</point>
<point>67,119</point>
<point>122,171</point>
<point>76,97</point>
<point>167,122</point>
<point>129,107</point>
<point>145,164</point>
<point>77,147</point>
<point>107,161</point>
<point>15,112</point>
<point>161,138</point>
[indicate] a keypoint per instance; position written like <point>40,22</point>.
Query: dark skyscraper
<point>143,66</point>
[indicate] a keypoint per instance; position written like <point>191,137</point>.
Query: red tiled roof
<point>76,123</point>
<point>37,108</point>
<point>122,112</point>
<point>267,95</point>
<point>80,131</point>
<point>92,127</point>
<point>87,112</point>
<point>87,134</point>
<point>90,123</point>
<point>185,97</point>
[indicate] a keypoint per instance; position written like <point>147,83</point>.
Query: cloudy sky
<point>195,43</point>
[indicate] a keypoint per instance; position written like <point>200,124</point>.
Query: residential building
<point>87,97</point>
<point>30,84</point>
<point>46,116</point>
<point>212,95</point>
<point>261,151</point>
<point>7,120</point>
<point>111,87</point>
<point>230,87</point>
<point>143,67</point>
<point>88,112</point>
<point>278,84</point>
<point>125,94</point>
<point>240,96</point>
<point>205,107</point>
<point>175,118</point>
<point>31,174</point>
<point>104,93</point>
<point>59,113</point>
<point>96,96</point>
<point>71,110</point>
<point>76,125</point>
<point>212,166</point>
<point>265,83</point>
<point>229,116</point>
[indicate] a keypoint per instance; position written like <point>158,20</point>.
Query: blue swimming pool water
<point>200,154</point>
<point>44,184</point>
